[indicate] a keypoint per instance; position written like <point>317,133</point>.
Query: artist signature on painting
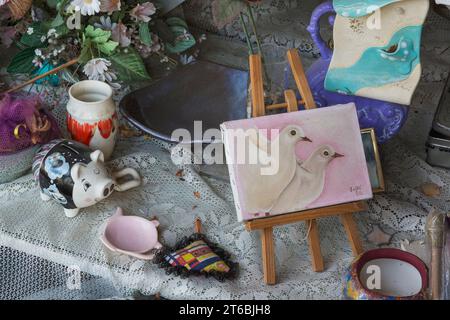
<point>357,190</point>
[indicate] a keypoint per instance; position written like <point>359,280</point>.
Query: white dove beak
<point>338,155</point>
<point>306,139</point>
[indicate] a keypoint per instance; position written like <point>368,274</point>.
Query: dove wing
<point>263,191</point>
<point>259,140</point>
<point>289,197</point>
<point>312,186</point>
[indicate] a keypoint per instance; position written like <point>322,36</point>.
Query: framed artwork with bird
<point>296,161</point>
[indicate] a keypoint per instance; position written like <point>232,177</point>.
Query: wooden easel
<point>266,225</point>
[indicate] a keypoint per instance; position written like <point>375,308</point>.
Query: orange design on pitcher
<point>105,127</point>
<point>84,132</point>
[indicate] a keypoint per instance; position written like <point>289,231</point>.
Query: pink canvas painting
<point>296,161</point>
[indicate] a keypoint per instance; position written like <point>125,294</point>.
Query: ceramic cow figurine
<point>76,177</point>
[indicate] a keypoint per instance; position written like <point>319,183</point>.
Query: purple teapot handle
<point>314,27</point>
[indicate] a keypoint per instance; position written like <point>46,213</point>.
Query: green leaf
<point>225,11</point>
<point>22,62</point>
<point>144,34</point>
<point>58,21</point>
<point>56,4</point>
<point>129,66</point>
<point>107,47</point>
<point>61,5</point>
<point>175,21</point>
<point>97,35</point>
<point>62,30</point>
<point>89,31</point>
<point>52,3</point>
<point>34,39</point>
<point>180,46</point>
<point>103,38</point>
<point>85,54</point>
<point>118,16</point>
<point>183,40</point>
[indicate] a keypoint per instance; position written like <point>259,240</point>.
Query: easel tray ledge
<point>352,207</point>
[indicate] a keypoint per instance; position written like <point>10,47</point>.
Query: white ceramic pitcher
<point>92,117</point>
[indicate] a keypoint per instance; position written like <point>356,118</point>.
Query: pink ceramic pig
<point>131,235</point>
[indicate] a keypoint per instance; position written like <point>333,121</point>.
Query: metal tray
<point>438,143</point>
<point>441,123</point>
<point>438,150</point>
<point>201,91</point>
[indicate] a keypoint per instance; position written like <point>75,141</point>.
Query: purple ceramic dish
<point>402,276</point>
<point>386,118</point>
<point>131,235</point>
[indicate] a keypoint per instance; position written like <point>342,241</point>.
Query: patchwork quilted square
<point>197,256</point>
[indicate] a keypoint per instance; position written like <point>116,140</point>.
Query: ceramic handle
<point>136,182</point>
<point>314,28</point>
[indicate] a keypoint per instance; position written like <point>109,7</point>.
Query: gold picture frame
<point>373,160</point>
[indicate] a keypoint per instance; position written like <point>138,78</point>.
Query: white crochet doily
<point>49,241</point>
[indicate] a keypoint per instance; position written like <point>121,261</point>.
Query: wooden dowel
<point>283,105</point>
<point>63,66</point>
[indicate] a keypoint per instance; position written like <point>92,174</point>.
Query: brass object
<point>435,229</point>
<point>17,130</point>
<point>382,185</point>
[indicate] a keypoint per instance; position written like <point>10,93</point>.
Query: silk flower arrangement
<point>112,39</point>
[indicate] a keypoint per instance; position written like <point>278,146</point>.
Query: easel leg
<point>257,86</point>
<point>291,100</point>
<point>314,246</point>
<point>352,233</point>
<point>300,78</point>
<point>268,256</point>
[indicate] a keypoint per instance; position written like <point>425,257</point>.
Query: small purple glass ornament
<point>386,118</point>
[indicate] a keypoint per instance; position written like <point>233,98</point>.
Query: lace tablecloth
<point>46,238</point>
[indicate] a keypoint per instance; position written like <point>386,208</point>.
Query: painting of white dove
<point>274,164</point>
<point>309,181</point>
<point>295,161</point>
